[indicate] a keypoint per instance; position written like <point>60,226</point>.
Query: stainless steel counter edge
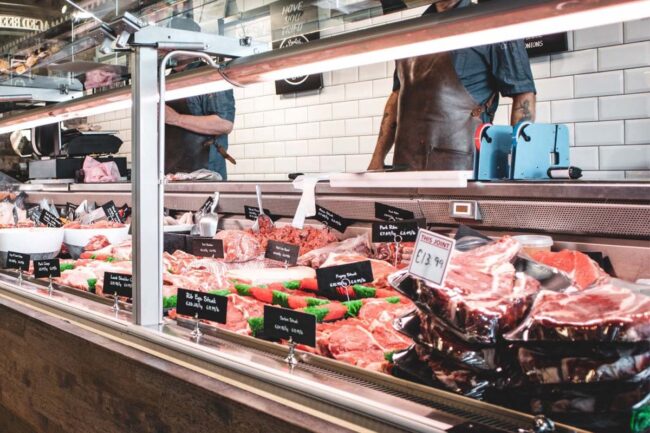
<point>557,190</point>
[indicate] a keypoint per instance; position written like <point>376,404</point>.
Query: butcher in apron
<point>438,101</point>
<point>197,128</point>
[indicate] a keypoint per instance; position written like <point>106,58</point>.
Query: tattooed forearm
<point>523,108</point>
<point>387,131</point>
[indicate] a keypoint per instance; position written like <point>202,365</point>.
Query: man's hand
<point>171,116</point>
<point>523,108</point>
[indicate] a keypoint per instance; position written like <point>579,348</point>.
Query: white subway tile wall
<point>600,89</point>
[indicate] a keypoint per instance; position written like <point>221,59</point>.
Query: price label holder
<point>47,268</point>
<point>49,219</point>
<point>118,285</point>
<point>391,213</point>
<point>431,257</point>
<point>111,211</point>
<point>295,326</point>
<point>17,261</point>
<point>251,213</point>
<point>282,252</point>
<point>207,247</point>
<point>200,305</point>
<point>330,219</point>
<point>333,278</point>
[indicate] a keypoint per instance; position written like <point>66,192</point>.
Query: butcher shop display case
<point>391,302</point>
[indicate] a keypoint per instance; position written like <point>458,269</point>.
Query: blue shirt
<point>485,70</point>
<point>223,105</point>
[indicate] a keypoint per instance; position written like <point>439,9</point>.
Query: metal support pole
<point>148,190</point>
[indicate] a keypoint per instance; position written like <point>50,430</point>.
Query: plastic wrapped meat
<point>601,314</point>
<point>483,296</point>
<point>432,334</point>
<point>95,171</point>
<point>357,245</point>
<point>583,271</point>
<point>587,367</point>
<point>239,246</point>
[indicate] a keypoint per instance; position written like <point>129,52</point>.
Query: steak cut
<point>239,245</point>
<point>604,313</point>
<point>583,271</point>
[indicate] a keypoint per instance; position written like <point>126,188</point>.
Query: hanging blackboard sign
<point>547,44</point>
<point>295,22</point>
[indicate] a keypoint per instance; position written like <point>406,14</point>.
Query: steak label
<point>112,214</point>
<point>252,212</point>
<point>206,306</point>
<point>17,261</point>
<point>49,219</point>
<point>397,231</point>
<point>207,247</point>
<point>431,257</point>
<point>122,284</point>
<point>282,252</point>
<point>290,324</point>
<point>391,213</point>
<point>331,219</point>
<point>47,268</point>
<point>332,277</point>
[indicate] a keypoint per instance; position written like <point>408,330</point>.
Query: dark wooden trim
<point>56,377</point>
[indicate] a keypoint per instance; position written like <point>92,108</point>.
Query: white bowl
<point>32,240</point>
<point>81,237</point>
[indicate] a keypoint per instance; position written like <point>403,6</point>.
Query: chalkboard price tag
<point>206,306</point>
<point>112,214</point>
<point>391,213</point>
<point>290,324</point>
<point>34,213</point>
<point>332,277</point>
<point>47,268</point>
<point>122,284</point>
<point>282,252</point>
<point>17,261</point>
<point>207,247</point>
<point>397,231</point>
<point>431,257</point>
<point>331,219</point>
<point>252,212</point>
<point>49,219</point>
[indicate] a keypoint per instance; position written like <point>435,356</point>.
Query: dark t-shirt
<point>501,68</point>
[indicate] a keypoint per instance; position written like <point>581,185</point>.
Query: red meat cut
<point>603,313</point>
<point>583,271</point>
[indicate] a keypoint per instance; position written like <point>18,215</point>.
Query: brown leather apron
<point>185,151</point>
<point>436,116</point>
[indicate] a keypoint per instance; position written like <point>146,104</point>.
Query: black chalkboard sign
<point>252,212</point>
<point>122,284</point>
<point>207,247</point>
<point>111,211</point>
<point>295,22</point>
<point>49,219</point>
<point>282,252</point>
<point>397,231</point>
<point>34,213</point>
<point>290,324</point>
<point>17,261</point>
<point>391,213</point>
<point>547,44</point>
<point>205,306</point>
<point>331,277</point>
<point>47,268</point>
<point>331,219</point>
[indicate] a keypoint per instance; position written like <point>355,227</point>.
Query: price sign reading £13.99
<point>431,256</point>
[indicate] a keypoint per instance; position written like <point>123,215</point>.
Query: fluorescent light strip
<point>575,21</point>
<point>199,89</point>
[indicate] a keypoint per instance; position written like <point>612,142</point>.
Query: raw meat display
<point>270,275</point>
<point>400,256</point>
<point>309,238</point>
<point>604,313</point>
<point>239,245</point>
<point>358,245</point>
<point>103,224</point>
<point>583,271</point>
